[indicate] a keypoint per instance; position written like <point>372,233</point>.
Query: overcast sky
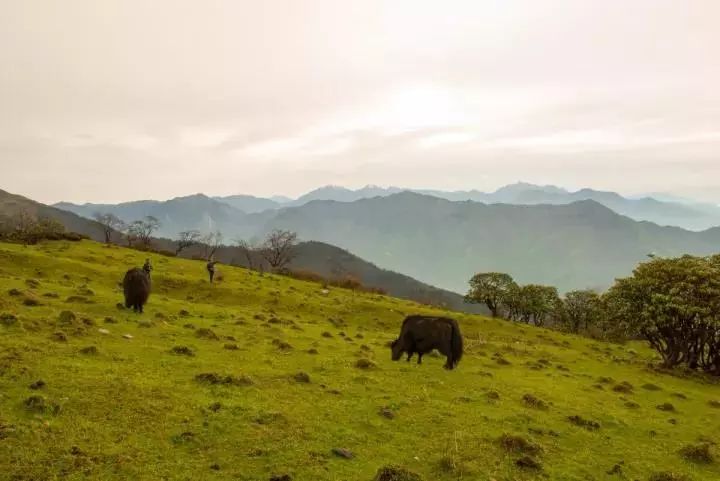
<point>111,100</point>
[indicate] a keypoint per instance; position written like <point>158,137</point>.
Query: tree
<point>533,303</point>
<point>212,243</point>
<point>581,310</point>
<point>110,223</point>
<point>674,303</point>
<point>491,289</point>
<point>142,230</point>
<point>187,239</point>
<point>279,248</point>
<point>250,250</point>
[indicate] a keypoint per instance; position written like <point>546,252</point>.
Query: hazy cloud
<point>108,100</point>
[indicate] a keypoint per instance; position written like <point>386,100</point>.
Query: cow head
<point>397,349</point>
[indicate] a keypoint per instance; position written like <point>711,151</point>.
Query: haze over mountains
<point>539,234</point>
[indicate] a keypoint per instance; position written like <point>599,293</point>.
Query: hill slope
<point>580,245</point>
<point>118,408</point>
<point>11,205</point>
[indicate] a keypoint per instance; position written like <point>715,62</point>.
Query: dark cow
<point>422,334</point>
<point>136,286</point>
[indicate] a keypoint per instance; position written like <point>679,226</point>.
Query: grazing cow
<point>422,334</point>
<point>136,286</point>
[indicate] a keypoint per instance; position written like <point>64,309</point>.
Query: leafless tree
<point>186,239</point>
<point>279,248</point>
<point>142,230</point>
<point>251,251</point>
<point>110,223</point>
<point>212,243</point>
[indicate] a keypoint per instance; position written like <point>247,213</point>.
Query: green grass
<point>132,408</point>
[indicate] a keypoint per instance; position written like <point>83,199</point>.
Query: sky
<point>115,100</point>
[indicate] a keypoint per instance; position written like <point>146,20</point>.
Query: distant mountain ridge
<point>685,214</point>
<point>545,239</point>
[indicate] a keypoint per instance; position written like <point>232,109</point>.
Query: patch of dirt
<point>697,453</point>
<point>7,319</point>
<point>231,347</point>
<point>534,402</point>
<point>39,384</point>
<point>227,380</point>
<point>89,350</point>
<point>513,443</point>
<point>301,377</point>
<point>396,473</point>
<point>588,424</point>
<point>666,407</point>
<point>182,351</point>
<point>205,333</point>
<point>624,387</point>
<point>651,387</point>
<point>67,317</point>
<point>59,336</point>
<point>282,345</point>
<point>364,364</point>
<point>668,476</point>
<point>528,462</point>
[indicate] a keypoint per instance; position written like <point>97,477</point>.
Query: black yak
<point>136,286</point>
<point>422,334</point>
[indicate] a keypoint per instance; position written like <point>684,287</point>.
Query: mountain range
<point>571,242</point>
<point>326,260</point>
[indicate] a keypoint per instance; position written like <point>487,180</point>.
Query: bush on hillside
<point>675,305</point>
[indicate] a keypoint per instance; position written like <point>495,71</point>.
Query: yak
<point>136,286</point>
<point>422,334</point>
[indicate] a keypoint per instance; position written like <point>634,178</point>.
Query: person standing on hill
<point>147,267</point>
<point>211,268</point>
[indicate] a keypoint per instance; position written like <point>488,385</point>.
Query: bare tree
<point>186,239</point>
<point>110,223</point>
<point>142,230</point>
<point>279,248</point>
<point>212,243</point>
<point>251,250</point>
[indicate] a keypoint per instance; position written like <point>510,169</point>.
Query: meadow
<point>262,377</point>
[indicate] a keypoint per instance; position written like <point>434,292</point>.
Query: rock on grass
<point>343,453</point>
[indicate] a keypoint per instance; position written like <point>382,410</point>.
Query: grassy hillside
<point>309,373</point>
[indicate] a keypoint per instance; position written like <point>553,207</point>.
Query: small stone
<point>127,336</point>
<point>343,453</point>
<point>103,331</point>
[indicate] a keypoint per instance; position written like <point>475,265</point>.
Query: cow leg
<point>409,356</point>
<point>420,355</point>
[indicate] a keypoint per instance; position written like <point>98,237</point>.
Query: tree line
<point>275,251</point>
<point>672,303</point>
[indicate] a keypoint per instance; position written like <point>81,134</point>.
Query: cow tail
<point>456,344</point>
